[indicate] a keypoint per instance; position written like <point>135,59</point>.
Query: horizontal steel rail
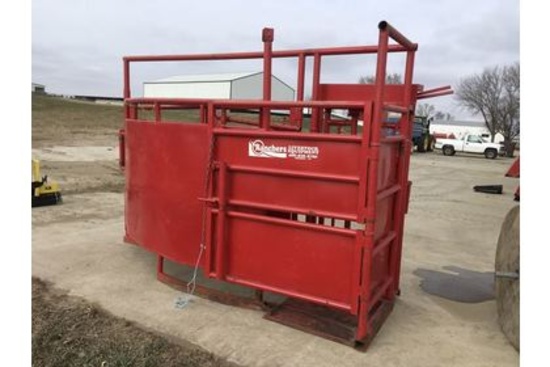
<point>322,301</point>
<point>395,108</point>
<point>289,223</point>
<point>380,293</point>
<point>244,103</point>
<point>392,139</point>
<point>387,192</point>
<point>293,210</point>
<point>296,174</point>
<point>397,37</point>
<point>256,133</point>
<point>435,94</point>
<point>333,51</point>
<point>433,90</point>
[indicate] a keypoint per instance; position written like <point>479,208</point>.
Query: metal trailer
<point>312,213</point>
<point>421,137</point>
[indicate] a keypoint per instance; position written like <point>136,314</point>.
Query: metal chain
<point>185,299</point>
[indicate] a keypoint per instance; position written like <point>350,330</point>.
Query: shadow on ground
<point>458,284</point>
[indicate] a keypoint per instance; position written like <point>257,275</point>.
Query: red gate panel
<point>165,165</point>
<point>275,254</point>
<point>324,179</point>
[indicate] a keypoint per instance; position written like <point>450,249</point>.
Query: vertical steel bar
<point>372,188</point>
<point>126,92</point>
<point>223,120</point>
<point>210,117</point>
<point>363,316</point>
<point>365,237</point>
<point>301,77</point>
<point>325,123</point>
<point>354,126</point>
<point>364,165</point>
<point>208,241</point>
<point>220,225</point>
<point>133,112</point>
<point>157,112</point>
<point>267,39</point>
<point>297,113</point>
<point>209,188</point>
<point>380,84</point>
<point>121,148</point>
<point>315,111</point>
<point>405,127</point>
<point>356,264</point>
<point>160,265</point>
<point>202,115</point>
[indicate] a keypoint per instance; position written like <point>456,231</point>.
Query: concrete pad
<point>76,154</point>
<point>80,249</point>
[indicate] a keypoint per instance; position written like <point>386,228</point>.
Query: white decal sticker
<point>257,148</point>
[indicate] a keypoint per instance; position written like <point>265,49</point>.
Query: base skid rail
<point>212,294</point>
<point>329,323</point>
<point>335,325</point>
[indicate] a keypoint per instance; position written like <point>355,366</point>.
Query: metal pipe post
<point>267,39</point>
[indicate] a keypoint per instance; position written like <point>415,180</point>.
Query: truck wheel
<point>491,153</point>
<point>448,150</point>
<point>431,143</point>
<point>423,145</point>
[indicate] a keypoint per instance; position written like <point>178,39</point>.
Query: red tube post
<point>267,39</point>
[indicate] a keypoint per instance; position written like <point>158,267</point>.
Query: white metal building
<point>461,128</point>
<point>218,86</point>
<point>38,88</point>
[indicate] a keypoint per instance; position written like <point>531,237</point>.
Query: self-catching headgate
<point>310,207</point>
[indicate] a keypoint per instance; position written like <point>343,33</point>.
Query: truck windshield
<point>474,139</point>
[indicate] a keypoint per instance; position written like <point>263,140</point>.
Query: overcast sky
<point>78,45</point>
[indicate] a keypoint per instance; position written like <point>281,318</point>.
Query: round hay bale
<point>507,277</point>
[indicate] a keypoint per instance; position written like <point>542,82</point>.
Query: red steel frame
<point>192,185</point>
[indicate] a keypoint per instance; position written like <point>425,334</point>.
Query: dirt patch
<point>82,177</point>
<point>67,331</point>
<point>77,144</point>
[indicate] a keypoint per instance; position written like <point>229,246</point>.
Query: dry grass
<point>58,121</point>
<point>67,331</point>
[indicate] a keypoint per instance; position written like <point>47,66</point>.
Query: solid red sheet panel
<point>313,155</point>
<point>307,263</point>
<point>165,176</point>
<point>310,195</point>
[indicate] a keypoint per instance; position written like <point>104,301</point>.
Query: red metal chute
<point>312,213</point>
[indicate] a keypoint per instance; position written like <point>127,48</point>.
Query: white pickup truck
<point>469,144</point>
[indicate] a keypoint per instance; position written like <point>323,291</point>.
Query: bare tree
<point>390,79</point>
<point>425,110</point>
<point>494,94</point>
<point>508,124</point>
<point>439,115</point>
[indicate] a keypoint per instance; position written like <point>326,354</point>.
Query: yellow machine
<point>44,192</point>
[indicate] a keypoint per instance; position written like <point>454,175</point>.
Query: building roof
<point>38,85</point>
<point>219,77</point>
<point>459,123</point>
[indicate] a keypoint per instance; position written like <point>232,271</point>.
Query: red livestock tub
<point>309,208</point>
